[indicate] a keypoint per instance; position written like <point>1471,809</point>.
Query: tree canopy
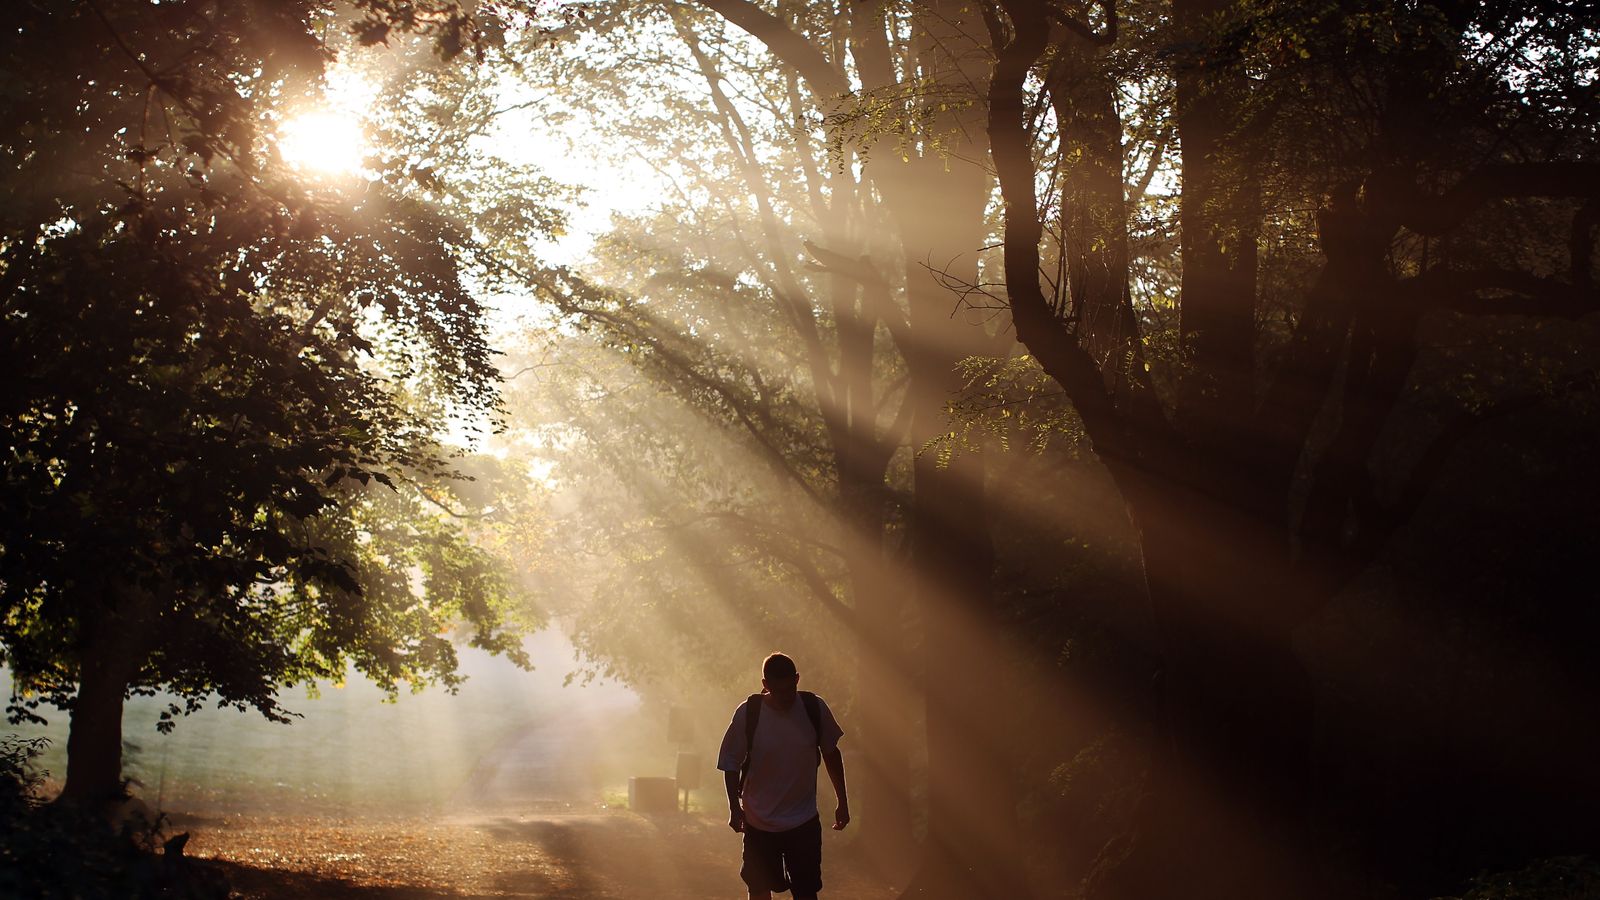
<point>1115,374</point>
<point>227,376</point>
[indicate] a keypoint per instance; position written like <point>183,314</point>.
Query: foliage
<point>699,338</point>
<point>230,375</point>
<point>673,562</point>
<point>1009,401</point>
<point>1277,380</point>
<point>48,851</point>
<point>1557,878</point>
<point>20,777</point>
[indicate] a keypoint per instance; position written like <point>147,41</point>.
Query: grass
<point>350,751</point>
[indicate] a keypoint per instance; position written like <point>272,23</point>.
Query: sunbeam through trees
<point>1163,432</point>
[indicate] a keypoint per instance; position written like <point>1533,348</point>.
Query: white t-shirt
<point>780,790</point>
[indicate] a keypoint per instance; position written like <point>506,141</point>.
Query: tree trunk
<point>1219,225</point>
<point>94,742</point>
<point>971,848</point>
<point>885,690</point>
<point>886,703</point>
<point>1094,212</point>
<point>1228,810</point>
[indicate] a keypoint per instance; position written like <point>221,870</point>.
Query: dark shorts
<point>780,860</point>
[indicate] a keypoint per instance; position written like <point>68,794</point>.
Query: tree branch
<point>1460,290</point>
<point>791,295</point>
<point>785,43</point>
<point>1082,29</point>
<point>1433,216</point>
<point>863,271</point>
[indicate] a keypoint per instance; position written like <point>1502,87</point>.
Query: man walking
<point>769,758</point>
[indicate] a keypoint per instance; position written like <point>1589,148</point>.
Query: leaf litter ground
<point>562,857</point>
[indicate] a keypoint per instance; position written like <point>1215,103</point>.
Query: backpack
<point>752,715</point>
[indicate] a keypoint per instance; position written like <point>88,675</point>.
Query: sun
<point>323,142</point>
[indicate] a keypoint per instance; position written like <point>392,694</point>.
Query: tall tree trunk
<point>94,741</point>
<point>1228,810</point>
<point>971,848</point>
<point>1094,211</point>
<point>937,202</point>
<point>886,699</point>
<point>885,695</point>
<point>1219,223</point>
<point>885,688</point>
<point>1231,770</point>
<point>1226,815</point>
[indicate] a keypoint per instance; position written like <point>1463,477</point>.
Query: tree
<point>1262,482</point>
<point>915,133</point>
<point>815,252</point>
<point>221,369</point>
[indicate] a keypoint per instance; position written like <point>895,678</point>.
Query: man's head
<point>780,678</point>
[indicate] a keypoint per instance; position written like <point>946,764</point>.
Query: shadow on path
<point>527,821</point>
<point>596,857</point>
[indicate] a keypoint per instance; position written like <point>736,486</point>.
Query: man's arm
<point>730,757</point>
<point>834,761</point>
<point>735,811</point>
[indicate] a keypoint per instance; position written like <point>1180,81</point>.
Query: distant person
<point>769,757</point>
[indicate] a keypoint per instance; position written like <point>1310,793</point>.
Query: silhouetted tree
<point>1265,479</point>
<point>218,369</point>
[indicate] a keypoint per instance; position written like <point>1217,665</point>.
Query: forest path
<point>550,856</point>
<point>557,857</point>
<point>528,821</point>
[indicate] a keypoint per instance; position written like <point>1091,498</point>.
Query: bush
<point>1558,878</point>
<point>20,777</point>
<point>49,850</point>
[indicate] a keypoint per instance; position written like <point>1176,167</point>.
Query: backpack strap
<point>752,714</point>
<point>814,713</point>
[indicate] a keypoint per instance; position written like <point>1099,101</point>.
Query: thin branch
<point>785,43</point>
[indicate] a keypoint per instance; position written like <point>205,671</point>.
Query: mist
<point>1159,436</point>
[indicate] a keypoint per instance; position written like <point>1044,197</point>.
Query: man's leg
<point>802,856</point>
<point>762,870</point>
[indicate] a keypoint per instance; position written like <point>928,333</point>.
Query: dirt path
<point>575,857</point>
<point>527,822</point>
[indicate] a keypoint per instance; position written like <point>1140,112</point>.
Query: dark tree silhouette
<point>1257,486</point>
<point>212,362</point>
